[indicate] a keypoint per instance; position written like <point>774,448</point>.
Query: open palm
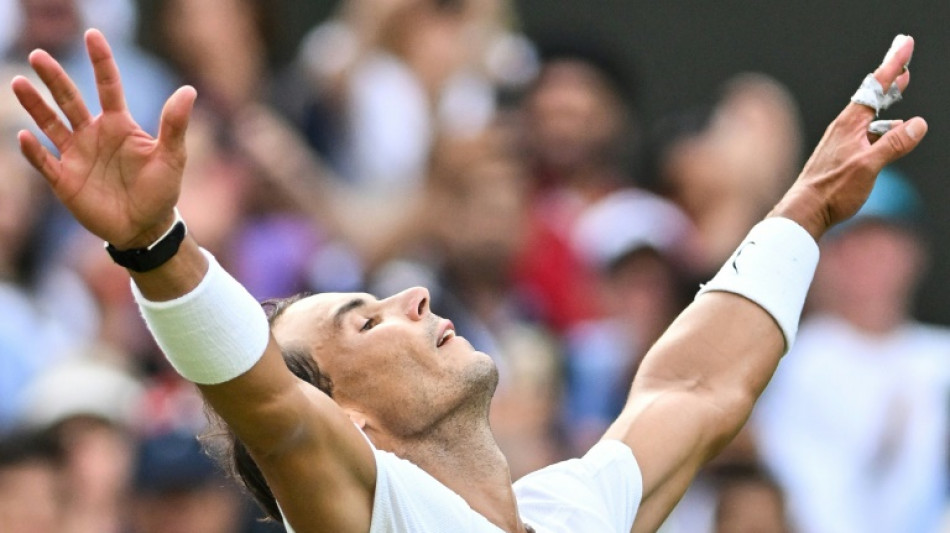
<point>117,180</point>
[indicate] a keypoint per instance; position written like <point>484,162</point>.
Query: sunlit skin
<point>431,373</point>
<point>694,390</point>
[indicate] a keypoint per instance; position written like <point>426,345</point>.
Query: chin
<point>483,376</point>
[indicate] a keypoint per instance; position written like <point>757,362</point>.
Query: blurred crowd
<point>430,142</point>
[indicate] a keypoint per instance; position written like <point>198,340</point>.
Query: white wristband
<point>214,333</point>
<point>773,267</point>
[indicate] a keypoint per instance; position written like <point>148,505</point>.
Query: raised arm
<point>697,385</point>
<point>122,185</point>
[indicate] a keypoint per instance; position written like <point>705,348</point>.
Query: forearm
<point>698,383</point>
<point>719,354</point>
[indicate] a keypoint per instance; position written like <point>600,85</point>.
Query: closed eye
<point>368,325</point>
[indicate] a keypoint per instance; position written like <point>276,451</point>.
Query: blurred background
<point>678,54</point>
<point>560,175</point>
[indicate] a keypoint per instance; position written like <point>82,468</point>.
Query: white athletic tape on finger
<point>880,127</point>
<point>871,94</point>
<point>214,333</point>
<point>773,267</point>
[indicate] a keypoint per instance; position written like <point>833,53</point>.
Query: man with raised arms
<point>391,432</point>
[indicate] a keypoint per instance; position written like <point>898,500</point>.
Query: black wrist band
<point>154,256</point>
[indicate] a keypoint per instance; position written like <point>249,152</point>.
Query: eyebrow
<point>338,315</point>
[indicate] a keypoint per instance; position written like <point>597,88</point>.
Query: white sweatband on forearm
<point>773,267</point>
<point>214,333</point>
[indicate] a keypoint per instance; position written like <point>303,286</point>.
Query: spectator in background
<point>578,124</point>
<point>58,25</point>
<point>727,169</point>
<point>581,120</point>
<point>855,421</point>
<point>640,245</point>
<point>30,491</point>
<point>220,47</point>
<point>389,77</point>
<point>89,407</point>
<point>48,312</point>
<point>178,488</point>
<point>9,22</point>
<point>749,501</point>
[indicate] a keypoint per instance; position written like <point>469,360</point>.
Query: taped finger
<point>880,127</point>
<point>892,96</point>
<point>872,95</point>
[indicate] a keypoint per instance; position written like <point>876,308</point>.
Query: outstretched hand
<point>118,181</point>
<point>840,173</point>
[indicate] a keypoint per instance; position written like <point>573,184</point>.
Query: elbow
<point>719,409</point>
<point>727,410</point>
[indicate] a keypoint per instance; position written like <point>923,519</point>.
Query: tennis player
<point>390,431</point>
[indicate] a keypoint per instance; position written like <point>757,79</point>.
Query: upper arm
<point>316,462</point>
<point>693,392</point>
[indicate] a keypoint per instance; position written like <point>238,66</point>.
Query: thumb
<point>174,121</point>
<point>899,142</point>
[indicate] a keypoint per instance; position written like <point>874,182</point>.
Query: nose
<point>414,301</point>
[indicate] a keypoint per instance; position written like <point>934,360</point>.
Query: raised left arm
<point>698,384</point>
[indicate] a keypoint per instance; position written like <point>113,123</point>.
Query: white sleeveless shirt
<point>599,493</point>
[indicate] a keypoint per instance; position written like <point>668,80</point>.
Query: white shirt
<point>855,427</point>
<point>600,493</point>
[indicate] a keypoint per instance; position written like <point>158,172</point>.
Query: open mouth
<point>447,334</point>
<point>445,337</point>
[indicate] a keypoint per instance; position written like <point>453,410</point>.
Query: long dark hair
<point>220,441</point>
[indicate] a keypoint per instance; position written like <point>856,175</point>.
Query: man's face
<point>49,24</point>
<point>572,116</point>
<point>750,507</point>
<point>393,360</point>
<point>872,262</point>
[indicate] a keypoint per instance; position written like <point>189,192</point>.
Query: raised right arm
<point>122,185</point>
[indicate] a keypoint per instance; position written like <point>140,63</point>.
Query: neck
<point>468,461</point>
